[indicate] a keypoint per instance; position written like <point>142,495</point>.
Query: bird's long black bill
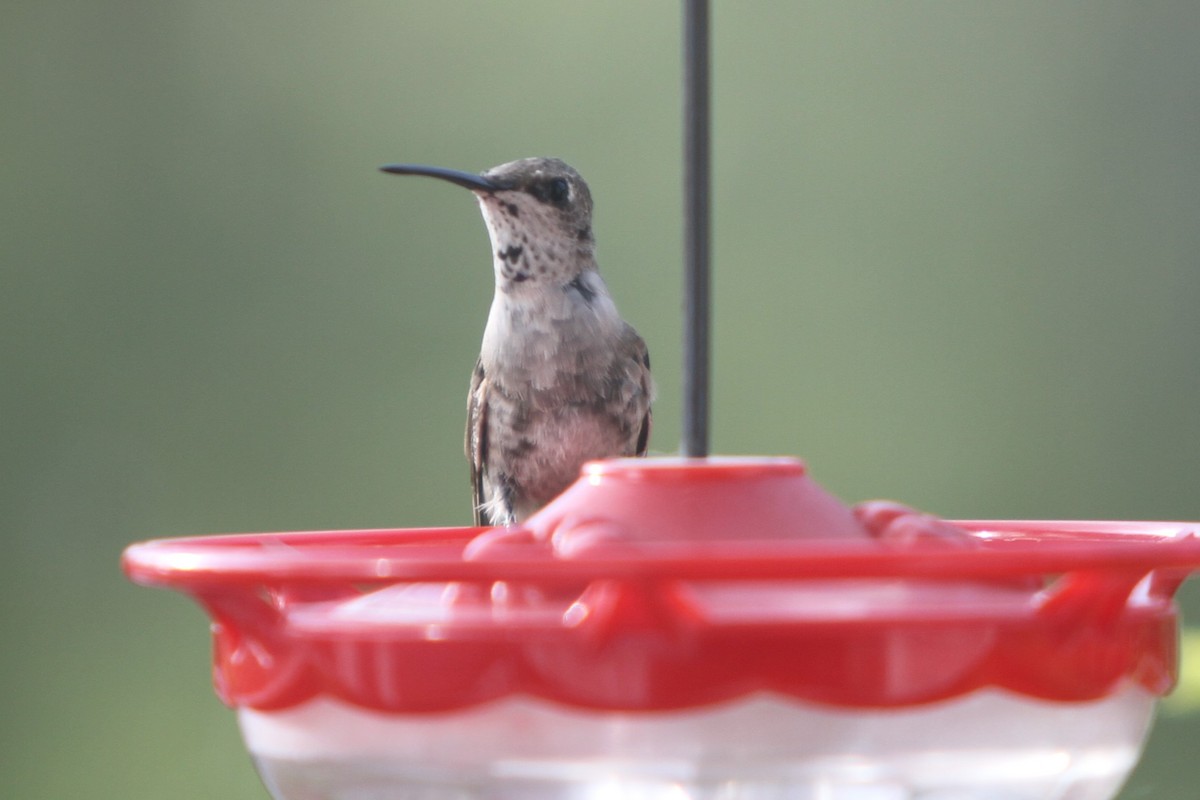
<point>473,182</point>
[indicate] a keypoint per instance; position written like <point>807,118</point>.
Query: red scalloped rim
<point>399,621</point>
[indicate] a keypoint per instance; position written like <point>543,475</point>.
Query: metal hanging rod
<point>696,228</point>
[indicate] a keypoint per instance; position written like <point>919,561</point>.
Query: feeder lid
<point>636,501</point>
<point>675,583</point>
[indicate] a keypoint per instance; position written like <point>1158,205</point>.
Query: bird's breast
<point>539,345</point>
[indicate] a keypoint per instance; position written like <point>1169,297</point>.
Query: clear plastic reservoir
<point>990,745</point>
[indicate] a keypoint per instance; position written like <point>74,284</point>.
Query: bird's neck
<point>529,266</point>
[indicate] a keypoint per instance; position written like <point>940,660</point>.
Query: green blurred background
<point>956,252</point>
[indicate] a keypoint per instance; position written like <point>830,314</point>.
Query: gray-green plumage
<point>561,379</point>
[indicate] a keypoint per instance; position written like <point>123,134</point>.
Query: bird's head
<point>538,213</point>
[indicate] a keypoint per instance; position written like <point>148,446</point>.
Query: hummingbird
<point>561,378</point>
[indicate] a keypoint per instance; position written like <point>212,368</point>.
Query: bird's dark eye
<point>558,191</point>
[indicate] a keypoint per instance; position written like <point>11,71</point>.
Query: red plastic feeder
<point>674,628</point>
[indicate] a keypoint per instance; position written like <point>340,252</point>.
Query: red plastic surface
<point>654,585</point>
